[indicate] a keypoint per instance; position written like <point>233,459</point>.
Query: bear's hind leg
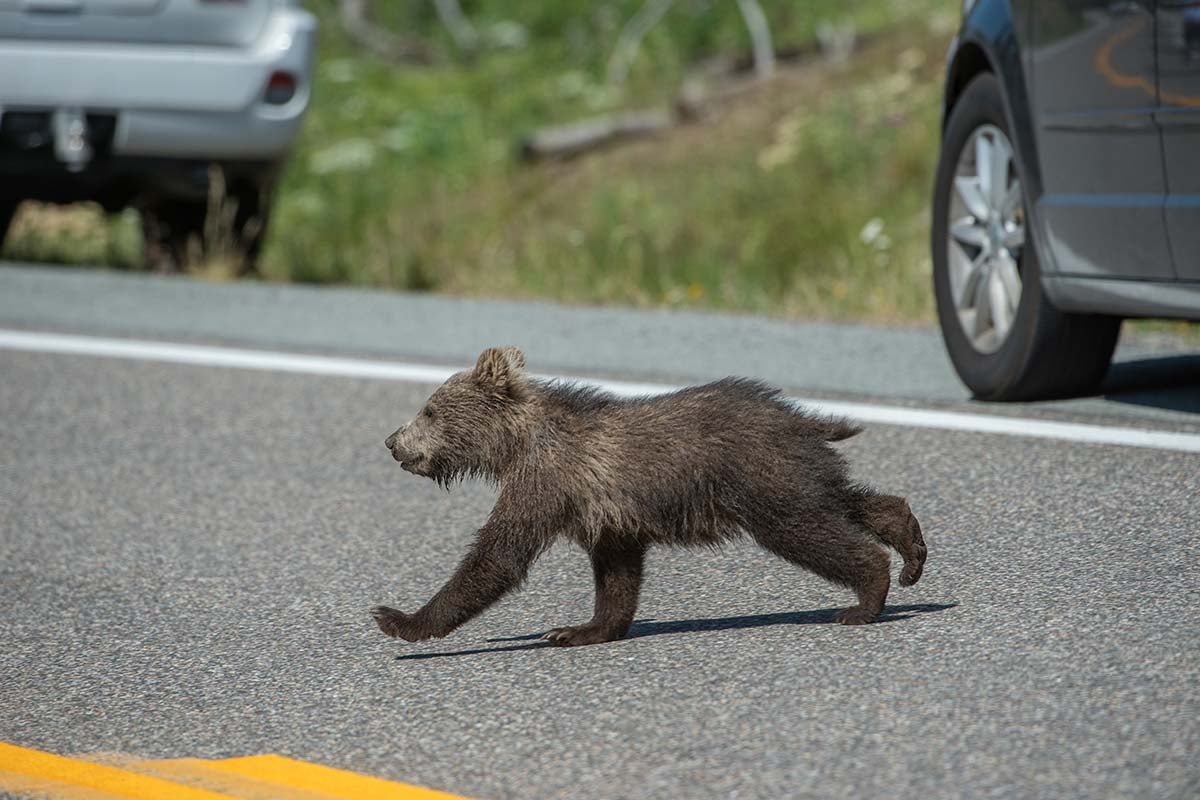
<point>890,518</point>
<point>839,552</point>
<point>872,589</point>
<point>617,568</point>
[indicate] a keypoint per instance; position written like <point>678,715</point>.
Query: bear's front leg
<point>397,624</point>
<point>617,569</point>
<point>496,563</point>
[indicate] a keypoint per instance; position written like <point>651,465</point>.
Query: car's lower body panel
<point>119,181</point>
<point>1125,298</point>
<point>203,102</point>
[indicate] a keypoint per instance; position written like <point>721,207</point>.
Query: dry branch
<point>629,40</point>
<point>760,37</point>
<point>465,37</point>
<point>355,15</point>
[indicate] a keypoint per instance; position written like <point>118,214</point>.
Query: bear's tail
<point>835,430</point>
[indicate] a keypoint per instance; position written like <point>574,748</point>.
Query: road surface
<point>188,554</point>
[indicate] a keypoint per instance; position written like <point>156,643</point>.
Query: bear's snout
<point>393,444</point>
<point>400,449</point>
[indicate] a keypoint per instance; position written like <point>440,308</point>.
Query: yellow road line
<point>24,786</point>
<point>35,773</point>
<point>325,780</point>
<point>201,772</point>
<point>56,776</point>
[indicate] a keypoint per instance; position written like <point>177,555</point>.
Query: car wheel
<point>175,236</point>
<point>1005,339</point>
<point>250,225</point>
<point>8,210</point>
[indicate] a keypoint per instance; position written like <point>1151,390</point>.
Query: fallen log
<point>572,139</point>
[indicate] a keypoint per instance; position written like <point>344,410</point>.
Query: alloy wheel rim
<point>985,239</point>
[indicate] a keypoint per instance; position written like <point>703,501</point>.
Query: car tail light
<point>281,87</point>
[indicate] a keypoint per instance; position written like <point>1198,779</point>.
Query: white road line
<point>238,358</point>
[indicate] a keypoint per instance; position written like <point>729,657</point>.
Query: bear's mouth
<point>412,464</point>
<point>408,461</point>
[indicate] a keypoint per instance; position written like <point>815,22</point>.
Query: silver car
<point>175,107</point>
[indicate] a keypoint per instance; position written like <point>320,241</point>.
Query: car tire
<point>250,224</point>
<point>173,235</point>
<point>174,232</point>
<point>8,210</point>
<point>1032,350</point>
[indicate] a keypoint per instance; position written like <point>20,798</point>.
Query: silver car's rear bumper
<point>172,101</point>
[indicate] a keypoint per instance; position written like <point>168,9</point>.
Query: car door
<point>1179,118</point>
<point>1095,97</point>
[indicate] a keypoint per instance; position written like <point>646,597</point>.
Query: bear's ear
<point>499,366</point>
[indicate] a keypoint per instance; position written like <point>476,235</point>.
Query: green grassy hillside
<point>806,196</point>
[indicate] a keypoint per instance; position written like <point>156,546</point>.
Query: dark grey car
<point>1067,195</point>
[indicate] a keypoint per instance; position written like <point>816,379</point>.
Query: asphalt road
<point>188,555</point>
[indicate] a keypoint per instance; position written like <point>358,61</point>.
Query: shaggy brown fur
<point>699,466</point>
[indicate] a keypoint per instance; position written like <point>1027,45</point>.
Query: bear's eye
<point>427,413</point>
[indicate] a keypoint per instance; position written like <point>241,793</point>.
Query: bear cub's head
<point>471,425</point>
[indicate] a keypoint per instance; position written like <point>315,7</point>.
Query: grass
<point>76,234</point>
<point>805,197</point>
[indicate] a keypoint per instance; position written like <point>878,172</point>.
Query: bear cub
<point>617,476</point>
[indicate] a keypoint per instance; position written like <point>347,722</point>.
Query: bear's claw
<point>391,621</point>
<point>575,635</point>
<point>855,615</point>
